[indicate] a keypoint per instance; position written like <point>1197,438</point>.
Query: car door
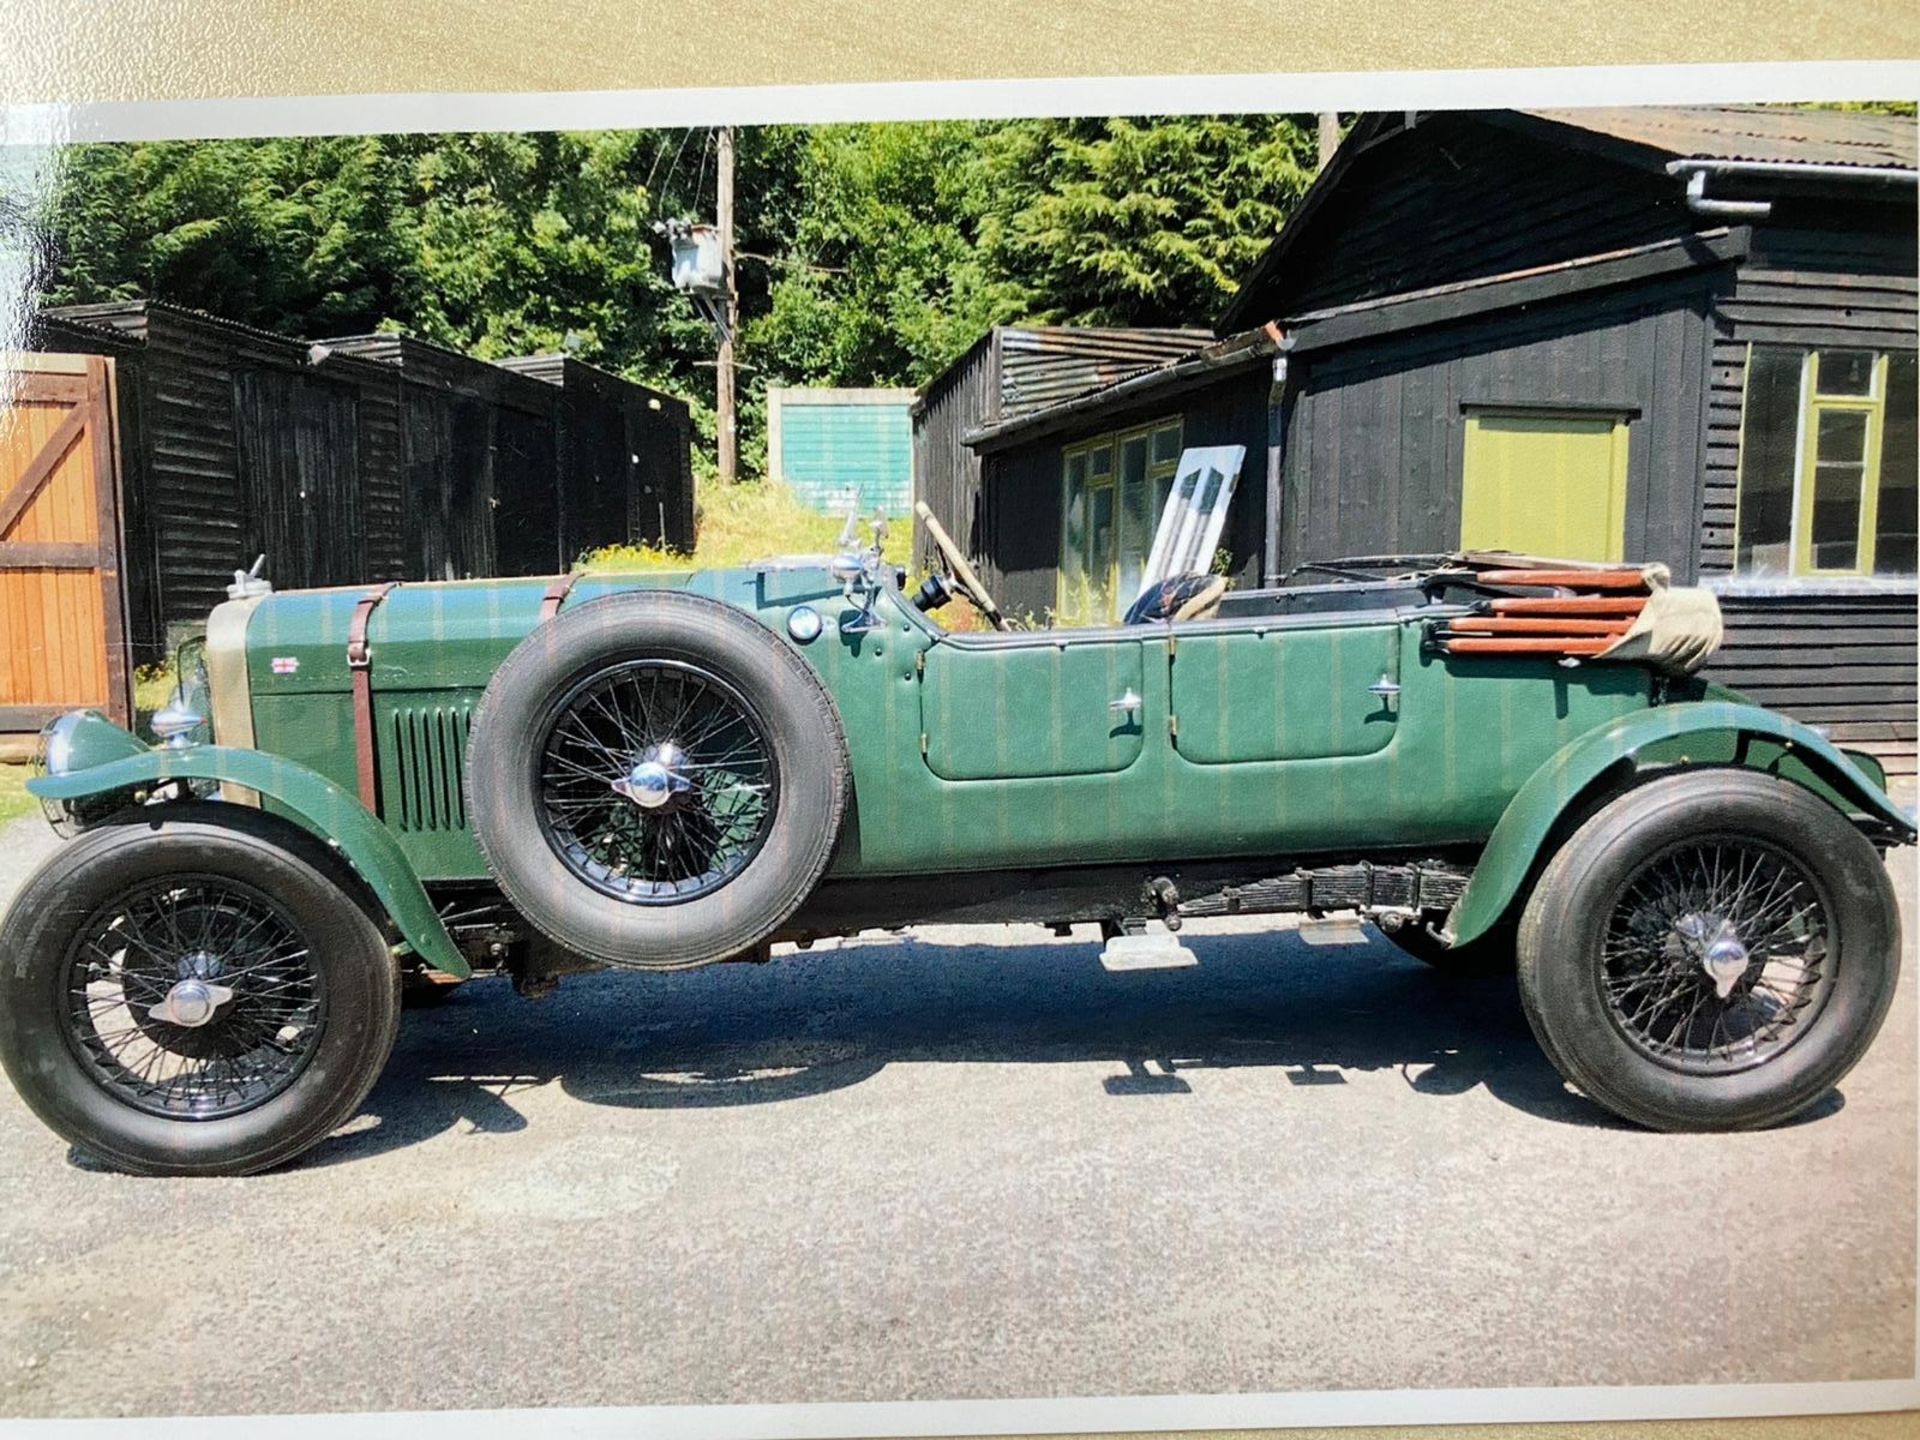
<point>1286,690</point>
<point>1007,706</point>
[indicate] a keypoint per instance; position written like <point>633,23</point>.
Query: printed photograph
<point>1031,758</point>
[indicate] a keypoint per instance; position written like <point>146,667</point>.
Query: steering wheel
<point>970,585</point>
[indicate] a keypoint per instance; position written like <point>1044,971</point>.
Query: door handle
<point>1127,704</point>
<point>1386,687</point>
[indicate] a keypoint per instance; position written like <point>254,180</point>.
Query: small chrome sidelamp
<point>176,727</point>
<point>184,721</point>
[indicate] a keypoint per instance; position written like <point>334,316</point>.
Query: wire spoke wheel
<point>657,782</point>
<point>1718,954</point>
<point>193,997</point>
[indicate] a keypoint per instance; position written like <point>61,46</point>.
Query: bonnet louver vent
<point>429,757</point>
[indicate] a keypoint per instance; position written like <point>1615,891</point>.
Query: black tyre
<point>1491,954</point>
<point>656,780</point>
<point>1713,950</point>
<point>189,997</point>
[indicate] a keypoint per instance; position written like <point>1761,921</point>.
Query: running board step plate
<point>1334,930</point>
<point>1146,952</point>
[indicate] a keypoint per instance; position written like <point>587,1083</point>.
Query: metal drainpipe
<point>1276,457</point>
<point>1697,172</point>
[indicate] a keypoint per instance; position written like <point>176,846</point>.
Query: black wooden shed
<point>232,443</point>
<point>361,459</point>
<point>1683,335</point>
<point>477,448</point>
<point>1010,371</point>
<point>626,457</point>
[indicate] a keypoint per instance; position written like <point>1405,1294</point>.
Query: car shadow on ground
<point>817,1022</point>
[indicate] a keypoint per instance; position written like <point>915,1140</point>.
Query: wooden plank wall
<point>297,445</point>
<point>625,458</point>
<point>1460,197</point>
<point>193,483</point>
<point>946,473</point>
<point>1843,661</point>
<point>1839,657</point>
<point>474,438</point>
<point>1375,440</point>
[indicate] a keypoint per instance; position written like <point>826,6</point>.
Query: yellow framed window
<point>1113,488</point>
<point>1149,459</point>
<point>1827,463</point>
<point>1544,482</point>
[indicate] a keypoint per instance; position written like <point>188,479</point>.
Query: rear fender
<point>1603,760</point>
<point>314,802</point>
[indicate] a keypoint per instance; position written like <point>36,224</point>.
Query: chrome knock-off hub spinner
<point>657,779</point>
<point>191,1002</point>
<point>1713,942</point>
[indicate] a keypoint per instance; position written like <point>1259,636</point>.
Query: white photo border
<point>1550,87</point>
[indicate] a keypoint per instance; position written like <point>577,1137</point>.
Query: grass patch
<point>14,799</point>
<point>152,684</point>
<point>747,521</point>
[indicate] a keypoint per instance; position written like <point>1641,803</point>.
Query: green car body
<point>360,793</point>
<point>1248,741</point>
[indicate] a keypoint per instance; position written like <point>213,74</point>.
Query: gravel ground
<point>969,1163</point>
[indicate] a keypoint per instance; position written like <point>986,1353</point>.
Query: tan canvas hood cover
<point>1631,613</point>
<point>1677,630</point>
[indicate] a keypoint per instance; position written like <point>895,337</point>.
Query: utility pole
<point>724,403</point>
<point>1329,136</point>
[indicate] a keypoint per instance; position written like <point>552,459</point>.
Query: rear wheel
<point>1711,951</point>
<point>193,998</point>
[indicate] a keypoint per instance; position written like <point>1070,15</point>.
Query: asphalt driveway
<point>969,1163</point>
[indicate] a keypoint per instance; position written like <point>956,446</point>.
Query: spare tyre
<point>656,779</point>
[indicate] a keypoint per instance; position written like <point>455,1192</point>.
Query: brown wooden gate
<point>62,609</point>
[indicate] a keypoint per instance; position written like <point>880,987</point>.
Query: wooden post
<point>724,402</point>
<point>1329,136</point>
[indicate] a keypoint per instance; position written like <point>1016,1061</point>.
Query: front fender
<point>1701,732</point>
<point>312,800</point>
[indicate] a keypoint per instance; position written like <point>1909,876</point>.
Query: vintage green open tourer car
<point>359,790</point>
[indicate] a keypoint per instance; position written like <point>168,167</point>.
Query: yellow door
<point>1545,484</point>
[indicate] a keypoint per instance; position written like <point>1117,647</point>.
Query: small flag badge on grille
<point>286,664</point>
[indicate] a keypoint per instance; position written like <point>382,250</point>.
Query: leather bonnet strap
<point>360,668</point>
<point>556,593</point>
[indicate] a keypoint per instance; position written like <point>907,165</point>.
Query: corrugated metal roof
<point>1753,132</point>
<point>1170,377</point>
<point>129,317</point>
<point>1042,366</point>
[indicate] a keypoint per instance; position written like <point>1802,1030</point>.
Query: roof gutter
<point>1698,171</point>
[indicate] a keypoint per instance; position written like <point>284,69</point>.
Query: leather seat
<point>1184,597</point>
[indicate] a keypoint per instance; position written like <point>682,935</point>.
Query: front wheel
<point>1713,950</point>
<point>192,996</point>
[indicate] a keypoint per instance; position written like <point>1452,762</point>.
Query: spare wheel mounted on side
<point>656,780</point>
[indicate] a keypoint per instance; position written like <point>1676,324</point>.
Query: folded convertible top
<point>1585,611</point>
